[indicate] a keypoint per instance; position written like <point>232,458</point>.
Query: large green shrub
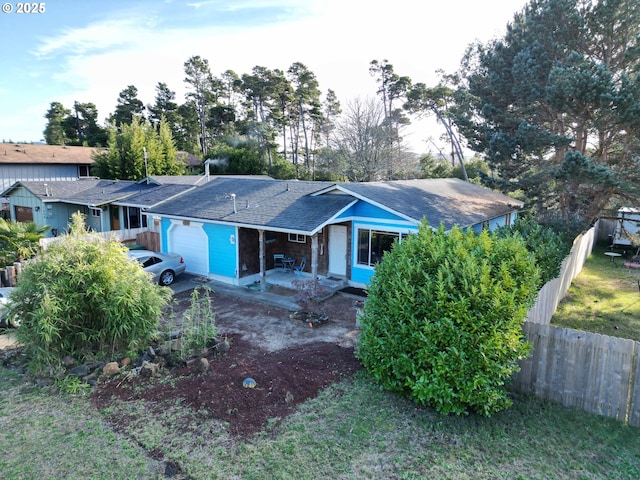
<point>83,297</point>
<point>442,322</point>
<point>548,246</point>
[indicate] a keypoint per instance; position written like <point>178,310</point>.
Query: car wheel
<point>166,278</point>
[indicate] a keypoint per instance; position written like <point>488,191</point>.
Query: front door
<point>338,250</point>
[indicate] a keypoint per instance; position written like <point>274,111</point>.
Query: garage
<point>191,242</point>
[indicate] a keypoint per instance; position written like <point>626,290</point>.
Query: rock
<point>288,398</point>
<point>79,371</point>
<point>223,346</point>
<point>126,361</point>
<point>201,352</point>
<point>203,366</point>
<point>149,369</point>
<point>164,349</point>
<point>111,369</point>
<point>68,361</point>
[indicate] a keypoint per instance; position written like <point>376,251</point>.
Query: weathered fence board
<point>594,372</point>
<point>553,291</point>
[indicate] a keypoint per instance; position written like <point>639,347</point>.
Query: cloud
<point>97,36</point>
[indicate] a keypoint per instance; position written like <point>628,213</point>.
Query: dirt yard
<point>289,360</point>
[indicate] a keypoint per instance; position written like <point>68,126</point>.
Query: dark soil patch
<point>284,377</point>
<point>360,292</point>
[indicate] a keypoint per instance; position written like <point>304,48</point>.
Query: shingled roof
<point>447,201</point>
<point>307,206</point>
<point>82,192</point>
<point>12,153</point>
<point>272,204</point>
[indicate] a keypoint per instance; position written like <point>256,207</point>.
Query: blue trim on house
<point>362,273</point>
<point>366,210</point>
<point>223,254</point>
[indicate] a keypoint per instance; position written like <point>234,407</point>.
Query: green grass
<point>604,298</point>
<point>352,430</point>
<point>48,436</point>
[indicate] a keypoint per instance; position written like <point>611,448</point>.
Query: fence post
<point>632,374</point>
<point>11,276</point>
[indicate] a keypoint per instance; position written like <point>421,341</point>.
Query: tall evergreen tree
<point>306,94</point>
<point>555,105</point>
<point>128,106</point>
<point>201,94</point>
<point>54,133</point>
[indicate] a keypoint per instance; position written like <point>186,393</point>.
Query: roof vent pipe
<point>206,168</point>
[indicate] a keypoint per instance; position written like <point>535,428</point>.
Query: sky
<point>91,50</point>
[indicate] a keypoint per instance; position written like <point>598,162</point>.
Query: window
<point>372,244</point>
<point>296,237</point>
<point>96,212</point>
<point>83,171</point>
<point>133,218</point>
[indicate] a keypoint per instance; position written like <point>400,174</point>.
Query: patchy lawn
<point>313,414</point>
<point>604,298</point>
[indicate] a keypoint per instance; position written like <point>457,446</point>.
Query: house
<point>106,204</point>
<point>43,163</point>
<point>229,229</point>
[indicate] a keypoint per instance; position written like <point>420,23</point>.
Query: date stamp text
<point>25,8</point>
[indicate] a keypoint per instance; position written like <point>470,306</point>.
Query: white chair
<point>278,260</point>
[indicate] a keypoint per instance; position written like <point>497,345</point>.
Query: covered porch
<point>282,257</point>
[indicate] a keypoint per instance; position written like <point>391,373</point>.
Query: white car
<point>165,267</point>
<point>5,293</point>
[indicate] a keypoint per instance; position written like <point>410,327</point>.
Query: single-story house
<point>107,204</point>
<point>229,229</point>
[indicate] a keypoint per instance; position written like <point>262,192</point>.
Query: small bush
<point>442,321</point>
<point>198,329</point>
<point>84,298</point>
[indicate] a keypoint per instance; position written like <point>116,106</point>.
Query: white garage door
<point>191,242</point>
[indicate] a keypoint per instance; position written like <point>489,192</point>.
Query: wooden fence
<point>593,372</point>
<point>596,373</point>
<point>555,290</point>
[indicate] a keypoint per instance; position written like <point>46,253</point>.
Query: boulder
<point>149,369</point>
<point>203,366</point>
<point>111,369</point>
<point>80,371</point>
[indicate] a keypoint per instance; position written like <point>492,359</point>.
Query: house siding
<point>223,250</point>
<point>9,174</point>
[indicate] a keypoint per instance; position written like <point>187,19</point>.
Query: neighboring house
<point>229,229</point>
<point>106,204</point>
<point>192,163</point>
<point>43,162</point>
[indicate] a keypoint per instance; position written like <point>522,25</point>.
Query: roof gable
<point>447,201</point>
